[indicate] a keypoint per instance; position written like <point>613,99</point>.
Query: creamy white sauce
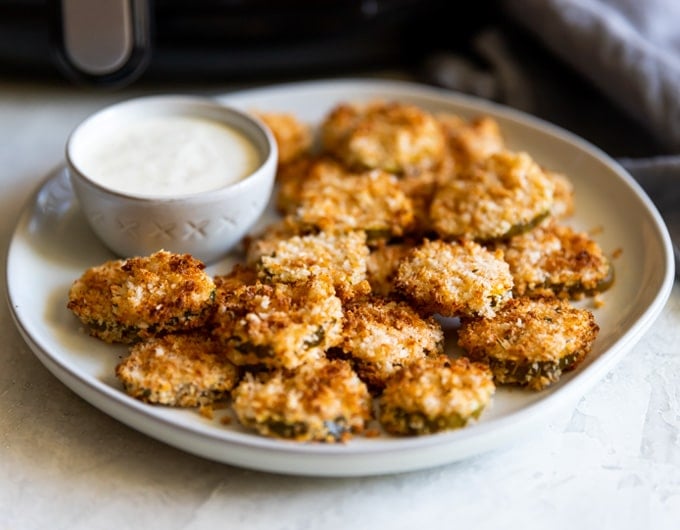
<point>170,155</point>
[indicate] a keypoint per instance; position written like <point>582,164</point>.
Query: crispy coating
<point>499,196</point>
<point>279,325</point>
<point>320,401</point>
<point>435,394</point>
<point>180,370</point>
<point>371,201</point>
<point>530,341</point>
<point>128,300</point>
<point>381,336</point>
<point>563,195</point>
<point>292,178</point>
<point>471,141</point>
<point>454,278</point>
<point>556,260</point>
<point>392,136</point>
<point>264,242</point>
<point>340,257</point>
<point>293,137</point>
<point>382,264</point>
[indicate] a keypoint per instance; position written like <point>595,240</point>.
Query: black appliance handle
<point>101,42</point>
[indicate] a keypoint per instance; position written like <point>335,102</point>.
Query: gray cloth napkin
<point>609,70</point>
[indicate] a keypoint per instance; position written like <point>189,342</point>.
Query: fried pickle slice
<point>435,394</point>
<point>454,278</point>
<point>320,401</point>
<point>502,195</point>
<point>278,325</point>
<point>391,136</point>
<point>129,300</point>
<point>530,341</point>
<point>339,256</point>
<point>557,260</point>
<point>381,336</point>
<point>179,370</point>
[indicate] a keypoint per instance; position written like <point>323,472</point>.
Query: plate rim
<point>508,424</point>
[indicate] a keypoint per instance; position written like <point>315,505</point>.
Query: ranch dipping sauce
<point>167,156</point>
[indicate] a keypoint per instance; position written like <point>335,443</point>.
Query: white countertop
<point>612,462</point>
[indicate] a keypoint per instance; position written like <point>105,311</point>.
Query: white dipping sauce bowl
<point>206,224</point>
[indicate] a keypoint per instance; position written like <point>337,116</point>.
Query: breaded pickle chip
<point>470,141</point>
<point>372,201</point>
<point>180,370</point>
<point>381,336</point>
<point>321,401</point>
<point>293,137</point>
<point>557,260</point>
<point>292,177</point>
<point>382,265</point>
<point>338,256</point>
<point>563,195</point>
<point>435,394</point>
<point>395,137</point>
<point>128,300</point>
<point>497,197</point>
<point>264,243</point>
<point>530,342</point>
<point>454,278</point>
<point>279,325</point>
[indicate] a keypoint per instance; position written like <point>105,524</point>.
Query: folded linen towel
<point>609,70</point>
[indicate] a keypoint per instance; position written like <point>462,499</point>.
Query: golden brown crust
<point>434,394</point>
<point>340,257</point>
<point>320,401</point>
<point>382,265</point>
<point>179,370</point>
<point>371,201</point>
<point>502,194</point>
<point>556,260</point>
<point>380,337</point>
<point>454,278</point>
<point>293,137</point>
<point>128,300</point>
<point>395,137</point>
<point>470,141</point>
<point>530,341</point>
<point>280,325</point>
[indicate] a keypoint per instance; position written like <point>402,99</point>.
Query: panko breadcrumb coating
<point>392,136</point>
<point>563,195</point>
<point>292,178</point>
<point>556,260</point>
<point>320,401</point>
<point>530,342</point>
<point>293,137</point>
<point>128,300</point>
<point>179,370</point>
<point>499,196</point>
<point>371,201</point>
<point>264,242</point>
<point>341,257</point>
<point>280,325</point>
<point>454,278</point>
<point>435,394</point>
<point>382,264</point>
<point>470,141</point>
<point>380,337</point>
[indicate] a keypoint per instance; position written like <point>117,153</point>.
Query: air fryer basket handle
<point>104,43</point>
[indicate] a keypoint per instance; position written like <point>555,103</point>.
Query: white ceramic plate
<point>52,246</point>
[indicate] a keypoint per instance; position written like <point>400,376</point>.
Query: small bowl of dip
<point>182,173</point>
